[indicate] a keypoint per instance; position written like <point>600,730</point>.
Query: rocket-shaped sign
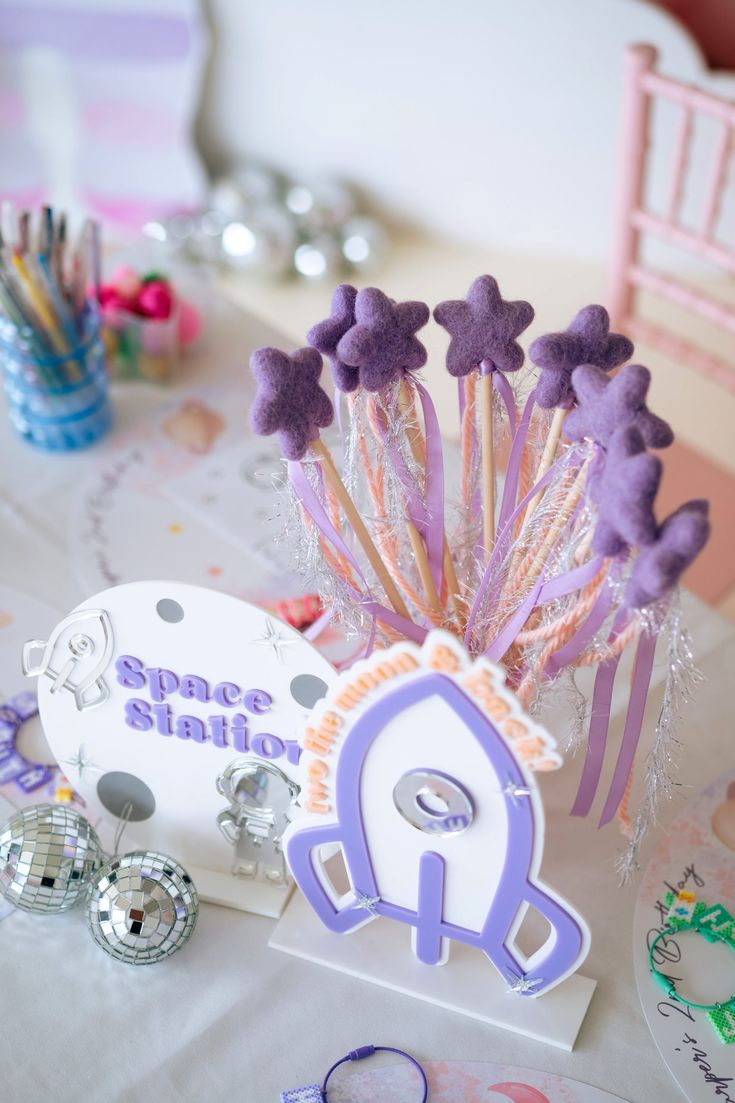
<point>420,766</point>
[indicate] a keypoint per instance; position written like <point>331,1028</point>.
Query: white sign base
<point>247,895</point>
<point>379,952</point>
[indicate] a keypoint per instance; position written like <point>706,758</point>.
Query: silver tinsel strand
<point>681,678</point>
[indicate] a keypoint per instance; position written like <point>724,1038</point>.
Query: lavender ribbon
<point>592,624</point>
<point>501,542</point>
<point>504,389</point>
<point>306,495</point>
<point>513,471</point>
<point>633,725</point>
<point>428,517</point>
<point>599,722</point>
<point>314,631</point>
<point>434,486</point>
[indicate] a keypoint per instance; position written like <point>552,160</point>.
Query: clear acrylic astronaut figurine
<point>260,797</point>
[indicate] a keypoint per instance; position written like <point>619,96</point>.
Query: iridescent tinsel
<point>681,678</point>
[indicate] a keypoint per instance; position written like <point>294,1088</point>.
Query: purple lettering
<point>162,714</point>
<point>239,732</point>
<point>293,751</point>
<point>138,715</point>
<point>218,730</point>
<point>192,686</point>
<point>226,694</point>
<point>190,727</point>
<point>257,701</point>
<point>267,746</point>
<point>161,682</point>
<point>129,672</point>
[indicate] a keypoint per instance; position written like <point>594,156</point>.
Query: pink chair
<point>627,272</point>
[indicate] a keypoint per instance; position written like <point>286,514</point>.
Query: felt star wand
<point>572,569</point>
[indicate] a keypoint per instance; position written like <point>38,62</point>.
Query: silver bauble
<point>206,243</point>
<point>242,189</point>
<point>318,258</point>
<point>320,205</point>
<point>261,243</point>
<point>48,853</point>
<point>225,196</point>
<point>256,184</point>
<point>364,243</point>
<point>142,907</point>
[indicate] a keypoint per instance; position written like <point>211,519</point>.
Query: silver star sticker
<point>510,789</point>
<point>80,762</point>
<point>369,903</point>
<point>274,638</point>
<point>520,984</point>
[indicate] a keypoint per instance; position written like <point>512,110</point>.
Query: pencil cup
<point>61,402</point>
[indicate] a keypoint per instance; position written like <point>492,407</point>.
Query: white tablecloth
<point>228,1019</point>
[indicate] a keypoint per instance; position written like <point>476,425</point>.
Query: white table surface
<point>229,1019</point>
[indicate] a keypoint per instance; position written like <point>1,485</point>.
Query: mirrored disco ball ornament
<point>364,244</point>
<point>261,242</point>
<point>142,907</point>
<point>318,258</point>
<point>48,854</point>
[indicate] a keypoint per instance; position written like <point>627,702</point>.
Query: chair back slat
<point>628,271</point>
<point>717,182</point>
<point>678,169</point>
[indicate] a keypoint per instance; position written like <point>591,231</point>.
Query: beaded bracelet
<point>312,1093</point>
<point>715,924</point>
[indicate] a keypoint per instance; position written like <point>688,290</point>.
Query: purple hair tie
<point>368,1051</point>
<point>484,329</point>
<point>587,340</point>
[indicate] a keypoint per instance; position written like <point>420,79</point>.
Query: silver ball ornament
<point>256,184</point>
<point>318,258</point>
<point>261,242</point>
<point>226,196</point>
<point>48,854</point>
<point>142,907</point>
<point>364,243</point>
<point>319,205</point>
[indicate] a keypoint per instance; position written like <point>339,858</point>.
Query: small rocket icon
<point>74,657</point>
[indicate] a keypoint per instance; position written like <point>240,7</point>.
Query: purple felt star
<point>381,345</point>
<point>587,341</point>
<point>625,492</point>
<point>326,335</point>
<point>483,327</point>
<point>659,566</point>
<point>606,404</point>
<point>289,400</point>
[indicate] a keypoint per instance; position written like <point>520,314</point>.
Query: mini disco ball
<point>142,907</point>
<point>48,853</point>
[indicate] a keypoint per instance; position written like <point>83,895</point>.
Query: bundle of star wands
<point>567,567</point>
<point>43,289</point>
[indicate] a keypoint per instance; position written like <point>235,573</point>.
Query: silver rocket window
<point>433,802</point>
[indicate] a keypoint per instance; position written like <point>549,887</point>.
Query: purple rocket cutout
<point>514,889</point>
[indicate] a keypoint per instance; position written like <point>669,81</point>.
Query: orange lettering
<point>514,729</point>
<point>443,658</point>
<point>316,806</point>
